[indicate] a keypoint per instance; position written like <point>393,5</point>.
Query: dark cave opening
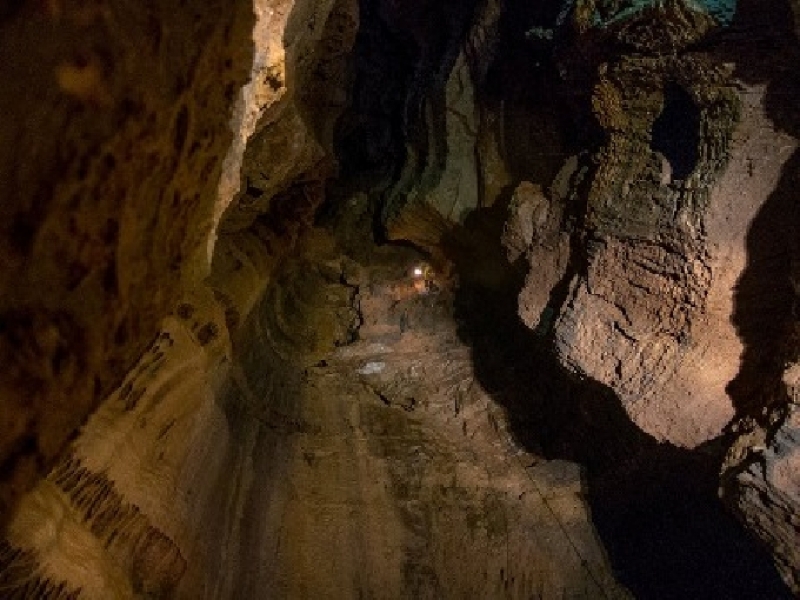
<point>402,54</point>
<point>676,131</point>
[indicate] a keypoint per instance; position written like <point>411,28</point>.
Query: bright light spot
<point>371,368</point>
<point>417,271</point>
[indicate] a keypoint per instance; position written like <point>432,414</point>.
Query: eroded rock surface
<point>285,116</point>
<point>760,477</point>
<point>115,116</point>
<point>633,310</point>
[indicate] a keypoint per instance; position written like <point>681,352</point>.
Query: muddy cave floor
<point>443,452</point>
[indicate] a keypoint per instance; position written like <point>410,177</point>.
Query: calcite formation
<point>639,200</point>
<point>110,519</point>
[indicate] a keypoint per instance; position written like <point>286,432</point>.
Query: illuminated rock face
<point>217,386</point>
<point>132,157</point>
<point>761,474</point>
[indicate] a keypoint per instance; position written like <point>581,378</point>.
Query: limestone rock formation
<point>761,477</point>
<point>635,316</point>
<point>440,181</point>
<point>114,118</point>
<point>285,116</point>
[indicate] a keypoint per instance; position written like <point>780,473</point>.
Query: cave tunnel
<point>311,300</point>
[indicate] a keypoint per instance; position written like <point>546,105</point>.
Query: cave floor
<point>387,471</point>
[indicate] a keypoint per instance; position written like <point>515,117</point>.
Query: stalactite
<point>154,562</point>
<point>19,578</point>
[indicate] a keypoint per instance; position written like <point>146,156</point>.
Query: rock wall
<point>689,319</point>
<point>760,477</point>
<point>440,182</point>
<point>285,117</point>
<point>116,517</point>
<point>144,172</point>
<point>714,277</point>
<point>621,243</point>
<point>642,249</point>
<point>115,116</point>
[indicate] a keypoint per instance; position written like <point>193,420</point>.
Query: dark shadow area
<point>654,506</point>
<point>676,131</point>
<point>403,51</point>
<point>369,137</point>
<point>763,296</point>
<point>544,120</point>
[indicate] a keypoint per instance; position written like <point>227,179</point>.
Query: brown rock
<point>109,153</point>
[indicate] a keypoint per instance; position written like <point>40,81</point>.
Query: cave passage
<point>654,506</point>
<point>399,300</point>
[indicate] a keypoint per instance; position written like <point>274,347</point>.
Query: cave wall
<point>659,249</point>
<point>760,475</point>
<point>127,282</point>
<point>633,313</point>
<point>615,203</point>
<point>115,115</point>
